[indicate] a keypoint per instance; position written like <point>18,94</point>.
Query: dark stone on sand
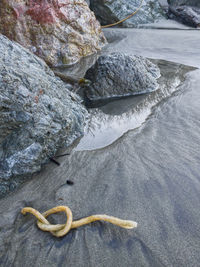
<point>118,75</point>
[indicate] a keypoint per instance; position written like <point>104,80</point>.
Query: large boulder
<point>112,11</point>
<point>60,32</point>
<point>38,114</point>
<point>187,12</point>
<point>118,75</point>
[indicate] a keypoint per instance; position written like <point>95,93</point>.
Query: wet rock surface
<point>112,11</point>
<point>38,114</point>
<point>118,75</point>
<point>60,32</point>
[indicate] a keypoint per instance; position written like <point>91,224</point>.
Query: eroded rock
<point>118,75</point>
<point>60,32</point>
<point>112,11</point>
<point>38,113</point>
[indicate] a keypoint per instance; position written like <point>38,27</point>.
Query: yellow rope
<point>131,15</point>
<point>62,229</point>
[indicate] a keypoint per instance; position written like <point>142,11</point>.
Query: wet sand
<point>149,174</point>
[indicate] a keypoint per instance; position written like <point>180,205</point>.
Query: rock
<point>60,32</point>
<point>38,114</point>
<point>189,15</point>
<point>118,74</point>
<point>194,3</point>
<point>107,123</point>
<point>164,5</point>
<point>150,175</point>
<point>112,11</point>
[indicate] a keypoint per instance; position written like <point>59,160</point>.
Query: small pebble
<point>69,182</point>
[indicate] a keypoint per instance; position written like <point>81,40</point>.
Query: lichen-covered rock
<point>60,32</point>
<point>38,113</point>
<point>118,75</point>
<point>112,11</point>
<point>187,12</point>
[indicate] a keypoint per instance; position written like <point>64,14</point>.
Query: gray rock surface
<point>118,74</point>
<point>38,114</point>
<point>189,15</point>
<point>195,3</point>
<point>111,11</point>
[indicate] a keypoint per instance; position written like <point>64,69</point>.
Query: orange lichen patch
<point>62,229</point>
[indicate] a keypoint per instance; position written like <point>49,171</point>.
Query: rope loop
<point>60,230</point>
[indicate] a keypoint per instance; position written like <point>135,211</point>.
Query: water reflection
<point>111,121</point>
<point>73,73</point>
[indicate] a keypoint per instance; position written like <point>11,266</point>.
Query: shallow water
<point>108,123</point>
<point>149,174</point>
<point>172,42</point>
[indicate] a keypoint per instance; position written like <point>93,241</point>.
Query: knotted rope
<point>62,229</point>
<point>128,17</point>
